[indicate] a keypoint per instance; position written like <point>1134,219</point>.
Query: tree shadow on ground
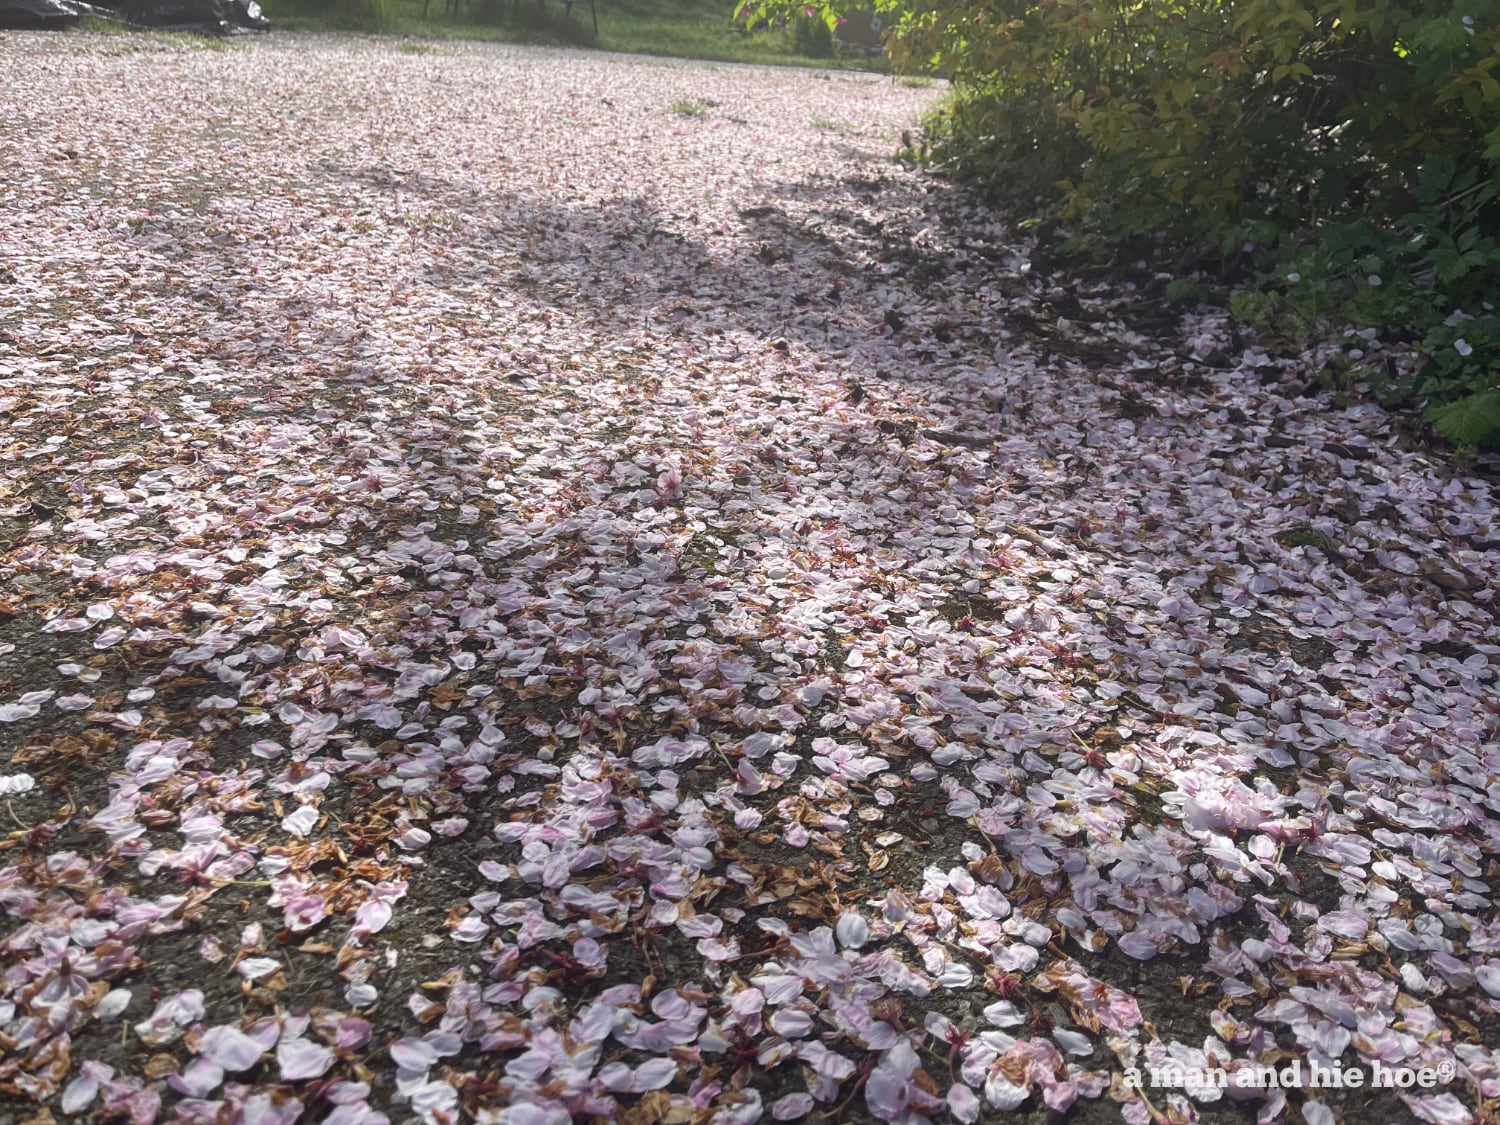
<point>565,532</point>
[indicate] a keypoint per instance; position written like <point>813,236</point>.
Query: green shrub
<point>812,37</point>
<point>361,15</point>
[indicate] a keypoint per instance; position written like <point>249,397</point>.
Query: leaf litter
<point>522,605</point>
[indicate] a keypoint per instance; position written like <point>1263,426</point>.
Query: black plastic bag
<point>46,13</point>
<point>222,16</point>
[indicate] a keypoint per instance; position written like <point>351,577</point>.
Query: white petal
<point>230,1048</point>
<point>852,930</point>
<point>300,1059</point>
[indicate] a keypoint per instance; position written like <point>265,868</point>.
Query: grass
<point>831,125</point>
<point>692,108</point>
<point>1305,535</point>
<point>695,29</point>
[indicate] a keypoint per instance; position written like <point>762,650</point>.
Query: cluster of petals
<point>521,604</point>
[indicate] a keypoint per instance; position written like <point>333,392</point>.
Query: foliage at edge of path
<point>1342,157</point>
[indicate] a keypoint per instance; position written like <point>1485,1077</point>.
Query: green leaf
<point>1434,178</point>
<point>1472,420</point>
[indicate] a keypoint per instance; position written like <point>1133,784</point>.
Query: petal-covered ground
<point>541,586</point>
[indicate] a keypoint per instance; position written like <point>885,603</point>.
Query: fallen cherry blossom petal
<point>789,1107</point>
<point>299,1059</point>
<point>229,1048</point>
<point>852,931</point>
